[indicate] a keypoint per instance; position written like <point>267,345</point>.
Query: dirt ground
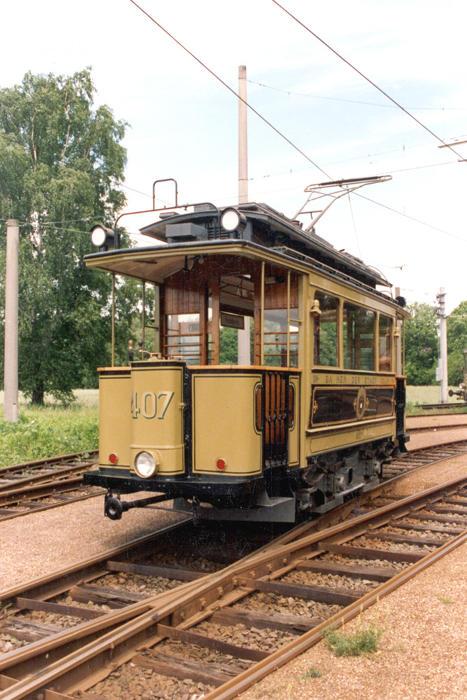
<point>422,652</point>
<point>423,649</point>
<point>38,543</point>
<point>435,421</point>
<point>423,624</point>
<point>438,436</point>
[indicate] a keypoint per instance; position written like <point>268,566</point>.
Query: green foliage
<point>228,346</point>
<point>47,432</point>
<point>61,160</point>
<point>363,641</point>
<point>445,600</point>
<point>457,342</point>
<point>328,344</point>
<point>312,673</point>
<point>421,345</point>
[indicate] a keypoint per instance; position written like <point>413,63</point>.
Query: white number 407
<point>151,405</point>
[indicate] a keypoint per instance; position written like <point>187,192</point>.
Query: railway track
<point>423,457</point>
<point>221,631</point>
<point>45,483</point>
<point>50,483</point>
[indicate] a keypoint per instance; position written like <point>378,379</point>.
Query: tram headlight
<point>232,220</point>
<point>145,465</point>
<point>102,237</point>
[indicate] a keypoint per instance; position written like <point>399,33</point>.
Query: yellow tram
<point>305,414</point>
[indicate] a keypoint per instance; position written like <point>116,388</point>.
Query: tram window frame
<point>284,312</point>
<point>317,323</point>
<point>388,339</point>
<point>352,347</point>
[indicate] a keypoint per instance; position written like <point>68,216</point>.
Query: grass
<point>311,673</point>
<point>363,641</point>
<point>50,431</point>
<point>53,430</point>
<point>418,395</point>
<point>445,600</point>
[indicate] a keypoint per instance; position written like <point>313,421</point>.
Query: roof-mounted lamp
<point>233,220</point>
<point>103,237</point>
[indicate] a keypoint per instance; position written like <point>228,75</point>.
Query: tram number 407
<point>151,405</point>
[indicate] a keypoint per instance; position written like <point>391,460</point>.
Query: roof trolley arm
<point>333,190</point>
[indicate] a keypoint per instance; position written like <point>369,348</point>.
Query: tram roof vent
<point>181,232</point>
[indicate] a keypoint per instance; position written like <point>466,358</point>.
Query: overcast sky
<point>183,124</point>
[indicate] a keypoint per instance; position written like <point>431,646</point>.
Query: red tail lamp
<point>113,458</point>
<point>221,464</point>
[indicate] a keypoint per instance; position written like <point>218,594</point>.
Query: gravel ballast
<point>39,543</point>
<point>421,655</point>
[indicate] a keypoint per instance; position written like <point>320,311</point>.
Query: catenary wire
<point>294,146</point>
<point>230,89</point>
<point>365,77</point>
<point>348,100</point>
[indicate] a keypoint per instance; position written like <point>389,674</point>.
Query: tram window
<point>359,337</point>
<point>236,322</point>
<point>183,337</point>
<point>275,337</point>
<point>280,332</point>
<point>385,344</point>
<point>325,330</point>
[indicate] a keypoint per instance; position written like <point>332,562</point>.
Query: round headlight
<point>145,465</point>
<point>230,219</point>
<point>98,236</point>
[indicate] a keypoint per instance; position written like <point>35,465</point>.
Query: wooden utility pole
<point>443,345</point>
<point>242,138</point>
<point>10,401</point>
<point>244,351</point>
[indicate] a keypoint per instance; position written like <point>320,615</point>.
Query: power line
<point>292,171</point>
<point>266,121</point>
<point>365,77</point>
<point>227,86</point>
<point>348,100</point>
<point>411,218</point>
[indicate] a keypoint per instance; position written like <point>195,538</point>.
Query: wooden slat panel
<point>115,598</point>
<point>337,596</point>
<point>72,610</point>
<point>407,539</point>
<point>209,643</point>
<point>182,669</point>
<point>456,501</point>
<point>368,553</point>
<point>276,621</point>
<point>354,571</point>
<point>448,510</point>
<point>27,630</point>
<point>438,518</point>
<point>150,570</point>
<point>404,525</point>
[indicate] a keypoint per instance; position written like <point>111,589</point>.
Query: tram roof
<point>269,228</point>
<point>155,263</point>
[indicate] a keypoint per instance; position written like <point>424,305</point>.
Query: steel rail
<point>33,464</point>
<point>191,605</point>
<point>45,485</point>
<point>51,477</point>
<point>288,652</point>
<point>22,483</point>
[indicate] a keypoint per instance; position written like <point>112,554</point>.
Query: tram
<point>274,387</point>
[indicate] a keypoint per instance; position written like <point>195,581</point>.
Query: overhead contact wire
<point>230,89</point>
<point>275,129</point>
<point>365,77</point>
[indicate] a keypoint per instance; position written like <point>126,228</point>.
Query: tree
<point>457,342</point>
<point>421,345</point>
<point>61,160</point>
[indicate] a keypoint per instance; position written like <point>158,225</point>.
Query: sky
<point>182,123</point>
